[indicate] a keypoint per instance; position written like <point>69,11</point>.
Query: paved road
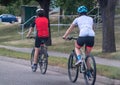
<point>18,72</point>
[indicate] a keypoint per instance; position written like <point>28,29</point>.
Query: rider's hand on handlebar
<point>27,36</point>
<point>64,37</point>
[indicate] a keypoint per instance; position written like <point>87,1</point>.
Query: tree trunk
<point>45,5</point>
<point>108,13</point>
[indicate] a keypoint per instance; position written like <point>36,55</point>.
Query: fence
<point>22,26</point>
<point>58,23</point>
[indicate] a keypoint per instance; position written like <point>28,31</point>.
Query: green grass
<point>9,36</point>
<point>14,54</point>
<point>9,33</point>
<point>108,71</point>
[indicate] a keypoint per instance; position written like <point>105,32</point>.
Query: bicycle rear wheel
<point>90,74</point>
<point>72,69</point>
<point>43,61</point>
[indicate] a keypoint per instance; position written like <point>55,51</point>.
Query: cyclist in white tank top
<point>86,32</point>
<point>85,25</point>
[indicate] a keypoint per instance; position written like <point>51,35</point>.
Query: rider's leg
<point>77,50</point>
<point>88,50</point>
<point>37,45</point>
<point>34,66</point>
<point>36,55</point>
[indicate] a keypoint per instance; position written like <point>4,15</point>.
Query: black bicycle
<point>42,58</point>
<point>87,67</point>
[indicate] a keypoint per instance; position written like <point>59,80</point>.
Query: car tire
<point>12,22</point>
<point>0,20</point>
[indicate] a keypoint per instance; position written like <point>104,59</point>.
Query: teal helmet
<point>82,9</point>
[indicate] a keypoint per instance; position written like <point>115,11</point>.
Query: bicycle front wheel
<point>43,61</point>
<point>72,69</point>
<point>90,74</point>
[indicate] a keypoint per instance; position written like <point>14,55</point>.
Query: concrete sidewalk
<point>102,61</point>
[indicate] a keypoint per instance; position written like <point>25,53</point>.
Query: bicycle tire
<point>92,71</point>
<point>43,61</point>
<point>72,69</point>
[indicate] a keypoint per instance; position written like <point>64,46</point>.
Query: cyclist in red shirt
<point>41,23</point>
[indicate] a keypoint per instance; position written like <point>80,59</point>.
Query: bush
<point>3,9</point>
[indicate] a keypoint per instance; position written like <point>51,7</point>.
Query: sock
<point>78,57</point>
<point>35,64</point>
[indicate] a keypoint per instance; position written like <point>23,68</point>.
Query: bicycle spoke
<point>43,63</point>
<point>72,69</point>
<point>90,74</point>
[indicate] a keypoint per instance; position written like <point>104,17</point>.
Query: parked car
<point>8,18</point>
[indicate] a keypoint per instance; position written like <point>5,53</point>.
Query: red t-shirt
<point>42,26</point>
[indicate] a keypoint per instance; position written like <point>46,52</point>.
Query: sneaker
<point>89,74</point>
<point>91,71</point>
<point>78,62</point>
<point>34,67</point>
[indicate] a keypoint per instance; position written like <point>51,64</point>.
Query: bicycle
<point>73,71</point>
<point>42,58</point>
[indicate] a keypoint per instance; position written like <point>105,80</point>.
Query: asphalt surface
<point>14,73</point>
<point>104,80</point>
<point>18,71</point>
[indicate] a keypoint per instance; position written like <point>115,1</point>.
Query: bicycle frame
<point>83,56</point>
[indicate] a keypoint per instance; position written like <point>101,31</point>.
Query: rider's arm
<point>30,29</point>
<point>29,32</point>
<point>69,30</point>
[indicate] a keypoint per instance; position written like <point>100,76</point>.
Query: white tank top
<point>85,25</point>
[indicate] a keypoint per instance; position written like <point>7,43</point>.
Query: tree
<point>45,5</point>
<point>108,12</point>
<point>8,2</point>
<point>70,6</point>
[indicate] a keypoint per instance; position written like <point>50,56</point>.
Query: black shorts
<point>39,41</point>
<point>87,41</point>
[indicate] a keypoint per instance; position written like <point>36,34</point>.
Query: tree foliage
<point>70,6</point>
<point>13,6</point>
<point>8,2</point>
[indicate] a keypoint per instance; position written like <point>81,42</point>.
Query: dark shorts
<point>39,41</point>
<point>87,41</point>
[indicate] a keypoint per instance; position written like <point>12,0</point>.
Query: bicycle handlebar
<point>30,37</point>
<point>71,38</point>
